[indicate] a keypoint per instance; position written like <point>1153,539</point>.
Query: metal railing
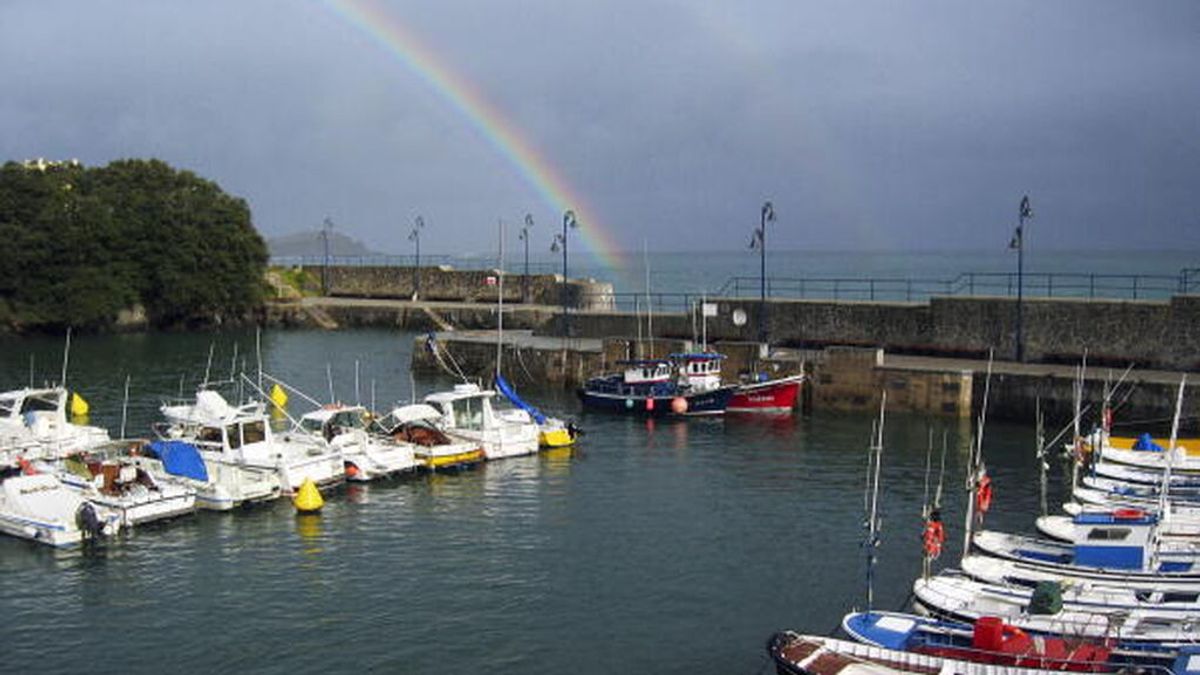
<point>511,267</point>
<point>1037,284</point>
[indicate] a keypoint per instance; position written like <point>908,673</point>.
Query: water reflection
<point>310,527</point>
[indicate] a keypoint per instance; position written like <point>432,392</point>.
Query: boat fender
<point>628,404</point>
<point>679,405</point>
<point>650,404</point>
<point>983,495</point>
<point>933,537</point>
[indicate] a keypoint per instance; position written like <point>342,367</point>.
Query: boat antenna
<point>1040,454</point>
<point>258,354</point>
<point>66,358</point>
<point>329,379</point>
<point>31,370</point>
<point>233,364</point>
<point>208,365</point>
<point>125,406</point>
<point>412,387</point>
<point>357,397</point>
<point>291,388</point>
<point>373,411</point>
<point>874,522</point>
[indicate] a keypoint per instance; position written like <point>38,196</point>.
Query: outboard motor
<point>573,430</point>
<point>89,521</point>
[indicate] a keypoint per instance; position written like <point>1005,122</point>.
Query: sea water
<point>655,546</point>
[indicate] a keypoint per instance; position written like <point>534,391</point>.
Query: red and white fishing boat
<point>776,396</point>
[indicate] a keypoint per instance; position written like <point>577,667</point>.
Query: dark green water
<point>676,547</point>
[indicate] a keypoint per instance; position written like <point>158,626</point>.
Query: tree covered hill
<point>78,245</point>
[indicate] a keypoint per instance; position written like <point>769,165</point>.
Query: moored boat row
<point>63,483</point>
<point>1115,589</point>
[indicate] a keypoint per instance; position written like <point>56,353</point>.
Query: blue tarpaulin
<point>180,458</point>
<point>1146,442</point>
<point>506,389</point>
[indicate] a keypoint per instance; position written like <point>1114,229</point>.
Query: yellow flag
<point>79,407</point>
<point>279,397</point>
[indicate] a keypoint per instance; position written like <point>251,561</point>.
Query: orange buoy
<point>679,405</point>
<point>351,470</point>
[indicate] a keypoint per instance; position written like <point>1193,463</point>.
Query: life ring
<point>983,495</point>
<point>932,539</point>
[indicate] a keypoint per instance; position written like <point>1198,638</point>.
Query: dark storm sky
<point>871,125</point>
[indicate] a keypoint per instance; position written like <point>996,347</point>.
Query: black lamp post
<point>415,237</point>
<point>326,231</point>
<point>569,222</point>
<point>524,236</point>
<point>1018,242</point>
<point>759,241</point>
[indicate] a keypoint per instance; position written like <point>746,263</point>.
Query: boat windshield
<point>6,407</point>
<point>348,419</point>
<point>468,415</point>
<point>311,425</point>
<point>43,402</point>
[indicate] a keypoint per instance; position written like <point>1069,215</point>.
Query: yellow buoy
<point>279,397</point>
<point>79,407</point>
<point>308,498</point>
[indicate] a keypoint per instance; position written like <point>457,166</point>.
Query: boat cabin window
<point>1109,534</point>
<point>6,408</point>
<point>311,425</point>
<point>235,439</point>
<point>209,435</point>
<point>254,432</point>
<point>34,403</point>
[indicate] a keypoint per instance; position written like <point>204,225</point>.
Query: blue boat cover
<point>180,458</point>
<point>510,394</point>
<point>1146,442</point>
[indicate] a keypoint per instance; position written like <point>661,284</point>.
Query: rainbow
<point>389,33</point>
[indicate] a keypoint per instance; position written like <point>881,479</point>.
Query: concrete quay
<point>930,356</point>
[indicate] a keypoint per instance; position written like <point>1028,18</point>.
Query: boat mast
<point>649,300</point>
<point>975,462</point>
<point>1164,502</point>
<point>500,302</point>
<point>874,457</point>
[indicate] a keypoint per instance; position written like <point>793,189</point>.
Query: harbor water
<point>652,547</point>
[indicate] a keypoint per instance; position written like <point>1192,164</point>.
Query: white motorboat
<point>220,485</point>
<point>34,425</point>
<point>1013,573</point>
<point>467,414</point>
<point>40,508</point>
<point>366,456</point>
<point>1115,542</point>
<point>418,424</point>
<point>1137,621</point>
<point>243,436</point>
<point>109,476</point>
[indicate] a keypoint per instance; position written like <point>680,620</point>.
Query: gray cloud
<point>871,125</point>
